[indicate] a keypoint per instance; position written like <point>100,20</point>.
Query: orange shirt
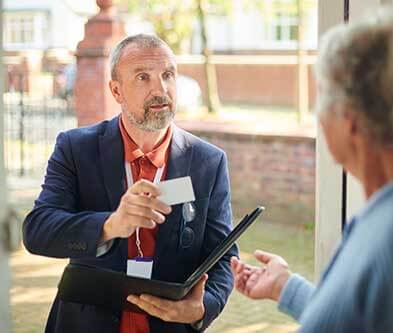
<point>143,166</point>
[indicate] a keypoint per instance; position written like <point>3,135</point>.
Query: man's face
<point>335,127</point>
<point>146,86</point>
<point>333,133</point>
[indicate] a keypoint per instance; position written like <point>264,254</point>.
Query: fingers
<point>235,263</point>
<point>140,210</point>
<point>241,272</point>
<point>159,303</point>
<point>143,212</point>
<point>264,257</point>
<point>199,289</point>
<point>157,307</point>
<point>139,222</point>
<point>252,281</point>
<point>150,308</point>
<point>237,266</point>
<point>145,186</point>
<point>150,202</point>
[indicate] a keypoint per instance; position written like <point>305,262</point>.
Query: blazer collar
<point>112,162</point>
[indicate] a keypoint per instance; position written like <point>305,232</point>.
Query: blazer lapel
<point>179,163</point>
<point>112,162</point>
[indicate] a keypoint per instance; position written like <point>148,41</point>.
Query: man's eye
<point>142,77</point>
<point>169,75</point>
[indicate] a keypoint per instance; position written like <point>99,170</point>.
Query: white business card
<point>176,191</point>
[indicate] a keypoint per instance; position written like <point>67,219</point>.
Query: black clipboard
<point>108,288</point>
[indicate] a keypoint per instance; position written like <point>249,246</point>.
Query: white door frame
<point>329,175</point>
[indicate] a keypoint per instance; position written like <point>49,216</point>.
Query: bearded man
<point>93,207</point>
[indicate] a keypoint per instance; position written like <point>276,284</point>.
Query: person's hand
<point>187,311</point>
<point>261,282</point>
<point>139,207</point>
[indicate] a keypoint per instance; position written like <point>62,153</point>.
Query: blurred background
<point>245,84</point>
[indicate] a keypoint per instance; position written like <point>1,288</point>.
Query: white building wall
<point>27,4</point>
<point>250,31</point>
<point>60,23</point>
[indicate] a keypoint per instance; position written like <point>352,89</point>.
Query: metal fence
<point>31,127</point>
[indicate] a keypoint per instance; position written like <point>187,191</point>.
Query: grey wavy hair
<point>140,40</point>
<point>355,66</point>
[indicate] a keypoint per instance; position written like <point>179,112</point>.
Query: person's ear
<point>114,86</point>
<point>352,123</point>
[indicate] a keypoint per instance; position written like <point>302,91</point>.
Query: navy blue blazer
<point>84,182</point>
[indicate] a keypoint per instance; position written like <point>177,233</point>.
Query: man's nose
<point>159,87</point>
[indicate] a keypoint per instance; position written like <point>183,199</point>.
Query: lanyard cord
<point>130,182</point>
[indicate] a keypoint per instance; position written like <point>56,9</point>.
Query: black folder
<point>108,288</point>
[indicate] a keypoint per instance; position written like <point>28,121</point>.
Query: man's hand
<point>188,310</point>
<point>139,207</point>
<point>261,282</point>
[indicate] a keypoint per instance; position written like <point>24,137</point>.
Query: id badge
<point>140,267</point>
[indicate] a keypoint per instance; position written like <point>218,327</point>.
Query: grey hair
<point>355,67</point>
<point>140,40</point>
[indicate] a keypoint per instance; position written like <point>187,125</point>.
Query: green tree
<point>299,9</point>
<point>213,100</point>
<point>174,20</point>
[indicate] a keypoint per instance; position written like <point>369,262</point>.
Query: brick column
<point>93,99</point>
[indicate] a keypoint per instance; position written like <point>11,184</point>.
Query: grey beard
<point>151,121</point>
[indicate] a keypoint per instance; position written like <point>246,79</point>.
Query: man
<point>99,204</point>
<point>355,293</point>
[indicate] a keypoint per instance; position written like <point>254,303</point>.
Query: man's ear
<point>114,86</point>
<point>352,123</point>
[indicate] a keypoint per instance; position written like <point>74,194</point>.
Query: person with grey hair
<point>100,204</point>
<point>354,74</point>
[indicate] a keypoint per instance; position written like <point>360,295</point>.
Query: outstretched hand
<point>264,282</point>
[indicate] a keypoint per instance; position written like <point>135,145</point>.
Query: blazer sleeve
<point>218,225</point>
<point>55,227</point>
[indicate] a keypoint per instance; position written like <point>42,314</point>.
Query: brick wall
<point>252,83</point>
<point>276,171</point>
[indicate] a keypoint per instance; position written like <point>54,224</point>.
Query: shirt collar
<point>132,152</point>
<point>375,200</point>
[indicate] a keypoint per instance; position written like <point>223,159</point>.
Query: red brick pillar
<point>93,99</point>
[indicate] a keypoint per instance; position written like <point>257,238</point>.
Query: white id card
<point>140,267</point>
<point>176,191</point>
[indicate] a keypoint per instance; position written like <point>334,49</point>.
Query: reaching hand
<point>264,282</point>
<point>139,207</point>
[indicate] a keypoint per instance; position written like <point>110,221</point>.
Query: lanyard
<point>130,182</point>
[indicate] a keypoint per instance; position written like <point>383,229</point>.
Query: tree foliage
<point>172,19</point>
<point>175,20</point>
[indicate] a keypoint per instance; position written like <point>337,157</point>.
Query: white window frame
<point>38,26</point>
